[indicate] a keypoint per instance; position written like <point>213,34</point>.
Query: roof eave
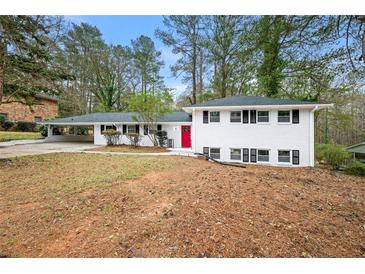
<point>305,106</point>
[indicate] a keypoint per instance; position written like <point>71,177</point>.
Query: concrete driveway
<point>43,148</point>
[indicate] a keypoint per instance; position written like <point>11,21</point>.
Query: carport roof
<point>118,117</point>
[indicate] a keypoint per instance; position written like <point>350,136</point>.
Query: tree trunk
<point>2,67</point>
<point>201,71</point>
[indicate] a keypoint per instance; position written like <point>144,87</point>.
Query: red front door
<point>185,136</point>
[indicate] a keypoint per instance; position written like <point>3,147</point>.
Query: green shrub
<point>335,156</point>
<point>25,126</point>
<point>2,119</point>
<point>134,139</point>
<point>112,137</point>
<point>7,125</point>
<point>355,168</point>
<point>162,138</point>
<point>43,130</point>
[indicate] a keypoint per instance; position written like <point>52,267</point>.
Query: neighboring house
<point>46,108</point>
<point>358,151</point>
<point>244,129</point>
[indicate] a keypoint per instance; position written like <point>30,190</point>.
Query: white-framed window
<point>214,116</point>
<point>131,129</point>
<point>284,156</point>
<point>262,116</point>
<point>283,116</point>
<point>263,155</point>
<point>215,153</point>
<point>236,154</point>
<point>37,119</point>
<point>236,116</point>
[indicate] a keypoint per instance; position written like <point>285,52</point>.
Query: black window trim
<point>295,159</point>
<point>205,117</point>
<point>246,154</point>
<point>295,116</point>
<point>245,116</point>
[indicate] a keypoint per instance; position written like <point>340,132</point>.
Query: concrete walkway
<point>37,148</point>
<point>42,148</point>
<point>20,142</point>
<point>171,153</point>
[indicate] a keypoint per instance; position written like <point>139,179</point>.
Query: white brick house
<point>248,129</point>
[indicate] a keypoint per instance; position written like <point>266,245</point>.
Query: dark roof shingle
<point>119,117</point>
<point>240,100</point>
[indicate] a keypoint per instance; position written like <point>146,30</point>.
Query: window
<point>263,155</point>
<point>245,155</point>
<point>214,116</point>
<point>145,130</point>
<point>295,155</point>
<point>236,153</point>
<point>206,151</point>
<point>5,116</point>
<point>152,130</point>
<point>253,155</point>
<point>111,127</point>
<point>262,116</point>
<point>159,127</point>
<point>106,127</point>
<point>295,113</point>
<point>205,117</point>
<point>245,116</point>
<point>284,156</point>
<point>131,129</point>
<point>284,116</point>
<point>215,153</point>
<point>235,116</point>
<point>37,119</point>
<point>253,116</point>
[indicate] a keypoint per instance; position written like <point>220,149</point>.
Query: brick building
<point>46,109</point>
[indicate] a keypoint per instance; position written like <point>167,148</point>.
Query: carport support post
<point>49,131</point>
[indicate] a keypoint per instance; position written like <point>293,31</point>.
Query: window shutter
<point>206,151</point>
<point>159,127</point>
<point>253,116</point>
<point>245,155</point>
<point>124,129</point>
<point>295,154</point>
<point>205,117</point>
<point>102,128</point>
<point>245,116</point>
<point>145,130</point>
<point>137,129</point>
<point>253,155</point>
<point>295,113</point>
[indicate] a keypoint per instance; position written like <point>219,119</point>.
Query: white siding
<point>173,132</point>
<point>273,136</point>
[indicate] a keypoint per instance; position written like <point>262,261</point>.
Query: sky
<point>122,29</point>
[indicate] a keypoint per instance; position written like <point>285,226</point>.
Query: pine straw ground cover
<point>82,205</point>
<point>128,148</point>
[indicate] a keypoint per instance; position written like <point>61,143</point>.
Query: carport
<point>69,132</point>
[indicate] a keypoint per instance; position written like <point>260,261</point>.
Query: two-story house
<point>246,129</point>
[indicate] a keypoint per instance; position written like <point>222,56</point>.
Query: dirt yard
<point>82,205</point>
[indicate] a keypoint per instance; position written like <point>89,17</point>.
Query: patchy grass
<point>128,148</point>
<point>13,135</point>
<point>83,205</point>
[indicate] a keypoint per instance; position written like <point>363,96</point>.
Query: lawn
<point>135,149</point>
<point>83,205</point>
<point>13,135</point>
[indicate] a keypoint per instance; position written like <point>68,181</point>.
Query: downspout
<point>311,137</point>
